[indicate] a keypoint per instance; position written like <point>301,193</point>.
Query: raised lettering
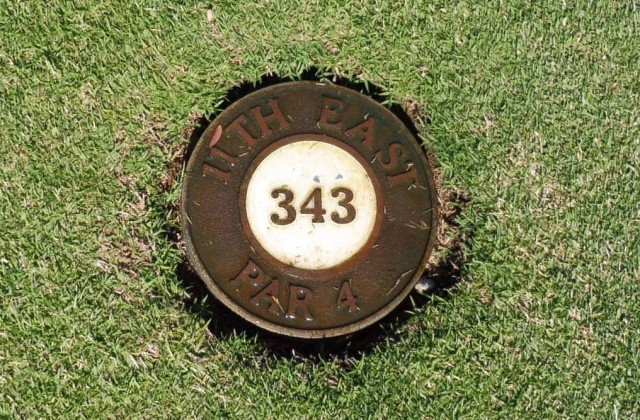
<point>329,116</point>
<point>396,152</point>
<point>313,205</point>
<point>345,203</point>
<point>270,295</point>
<point>410,175</point>
<point>346,299</point>
<point>276,115</point>
<point>364,131</point>
<point>299,298</point>
<point>316,210</point>
<point>221,166</point>
<point>238,126</point>
<point>284,204</point>
<point>251,275</point>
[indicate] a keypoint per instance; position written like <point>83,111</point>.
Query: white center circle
<point>311,205</point>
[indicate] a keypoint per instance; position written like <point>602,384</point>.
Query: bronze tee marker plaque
<point>308,209</point>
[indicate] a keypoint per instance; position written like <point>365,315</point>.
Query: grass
<point>533,112</point>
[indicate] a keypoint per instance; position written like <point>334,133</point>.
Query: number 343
<point>313,205</point>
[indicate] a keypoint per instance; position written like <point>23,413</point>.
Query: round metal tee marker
<point>308,209</point>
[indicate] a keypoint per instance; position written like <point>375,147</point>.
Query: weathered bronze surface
<point>303,253</point>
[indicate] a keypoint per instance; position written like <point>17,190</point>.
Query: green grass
<point>534,112</point>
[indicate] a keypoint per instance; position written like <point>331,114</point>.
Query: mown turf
<point>533,112</point>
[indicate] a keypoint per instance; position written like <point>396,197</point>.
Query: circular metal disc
<point>308,209</point>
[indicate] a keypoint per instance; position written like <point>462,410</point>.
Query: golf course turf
<point>531,111</point>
